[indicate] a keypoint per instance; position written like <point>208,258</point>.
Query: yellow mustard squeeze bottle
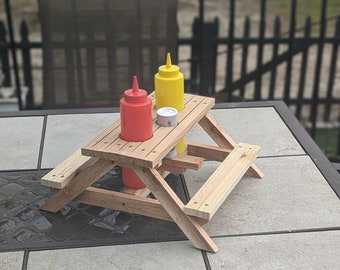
<point>169,91</point>
<point>169,86</point>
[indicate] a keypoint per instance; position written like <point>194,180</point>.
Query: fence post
<point>290,51</point>
<point>315,95</point>
<point>27,65</point>
<point>91,78</point>
<point>258,81</point>
<point>332,71</point>
<point>303,70</point>
<point>204,57</point>
<point>195,52</point>
<point>230,50</point>
<point>244,60</point>
<point>4,46</point>
<point>13,49</point>
<point>209,58</point>
<point>201,45</point>
<point>277,33</point>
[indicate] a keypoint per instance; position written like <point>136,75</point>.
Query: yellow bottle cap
<point>168,70</point>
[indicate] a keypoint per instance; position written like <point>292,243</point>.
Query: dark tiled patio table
<point>288,220</point>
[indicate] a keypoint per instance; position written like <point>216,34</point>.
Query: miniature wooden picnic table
<point>71,180</point>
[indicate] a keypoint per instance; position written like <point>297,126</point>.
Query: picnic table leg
<point>77,185</point>
<point>223,139</point>
<point>175,208</point>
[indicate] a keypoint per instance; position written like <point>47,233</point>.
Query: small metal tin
<point>167,117</point>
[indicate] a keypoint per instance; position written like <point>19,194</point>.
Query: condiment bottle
<point>169,91</point>
<point>136,125</point>
<point>169,86</point>
<point>136,114</point>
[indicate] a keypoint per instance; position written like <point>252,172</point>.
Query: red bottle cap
<point>135,95</point>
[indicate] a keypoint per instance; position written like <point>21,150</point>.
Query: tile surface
<point>24,226</point>
<point>259,126</point>
<point>20,142</point>
<point>167,255</point>
<point>11,260</point>
<point>317,250</point>
<point>67,133</point>
<point>292,195</point>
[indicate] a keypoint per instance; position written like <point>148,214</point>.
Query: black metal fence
<point>296,48</point>
<point>18,74</point>
<point>306,63</point>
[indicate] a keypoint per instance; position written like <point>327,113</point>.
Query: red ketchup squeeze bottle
<point>136,125</point>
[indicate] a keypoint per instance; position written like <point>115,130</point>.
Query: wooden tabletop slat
<point>108,145</point>
<point>193,112</point>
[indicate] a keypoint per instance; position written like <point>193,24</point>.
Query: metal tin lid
<point>167,117</point>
